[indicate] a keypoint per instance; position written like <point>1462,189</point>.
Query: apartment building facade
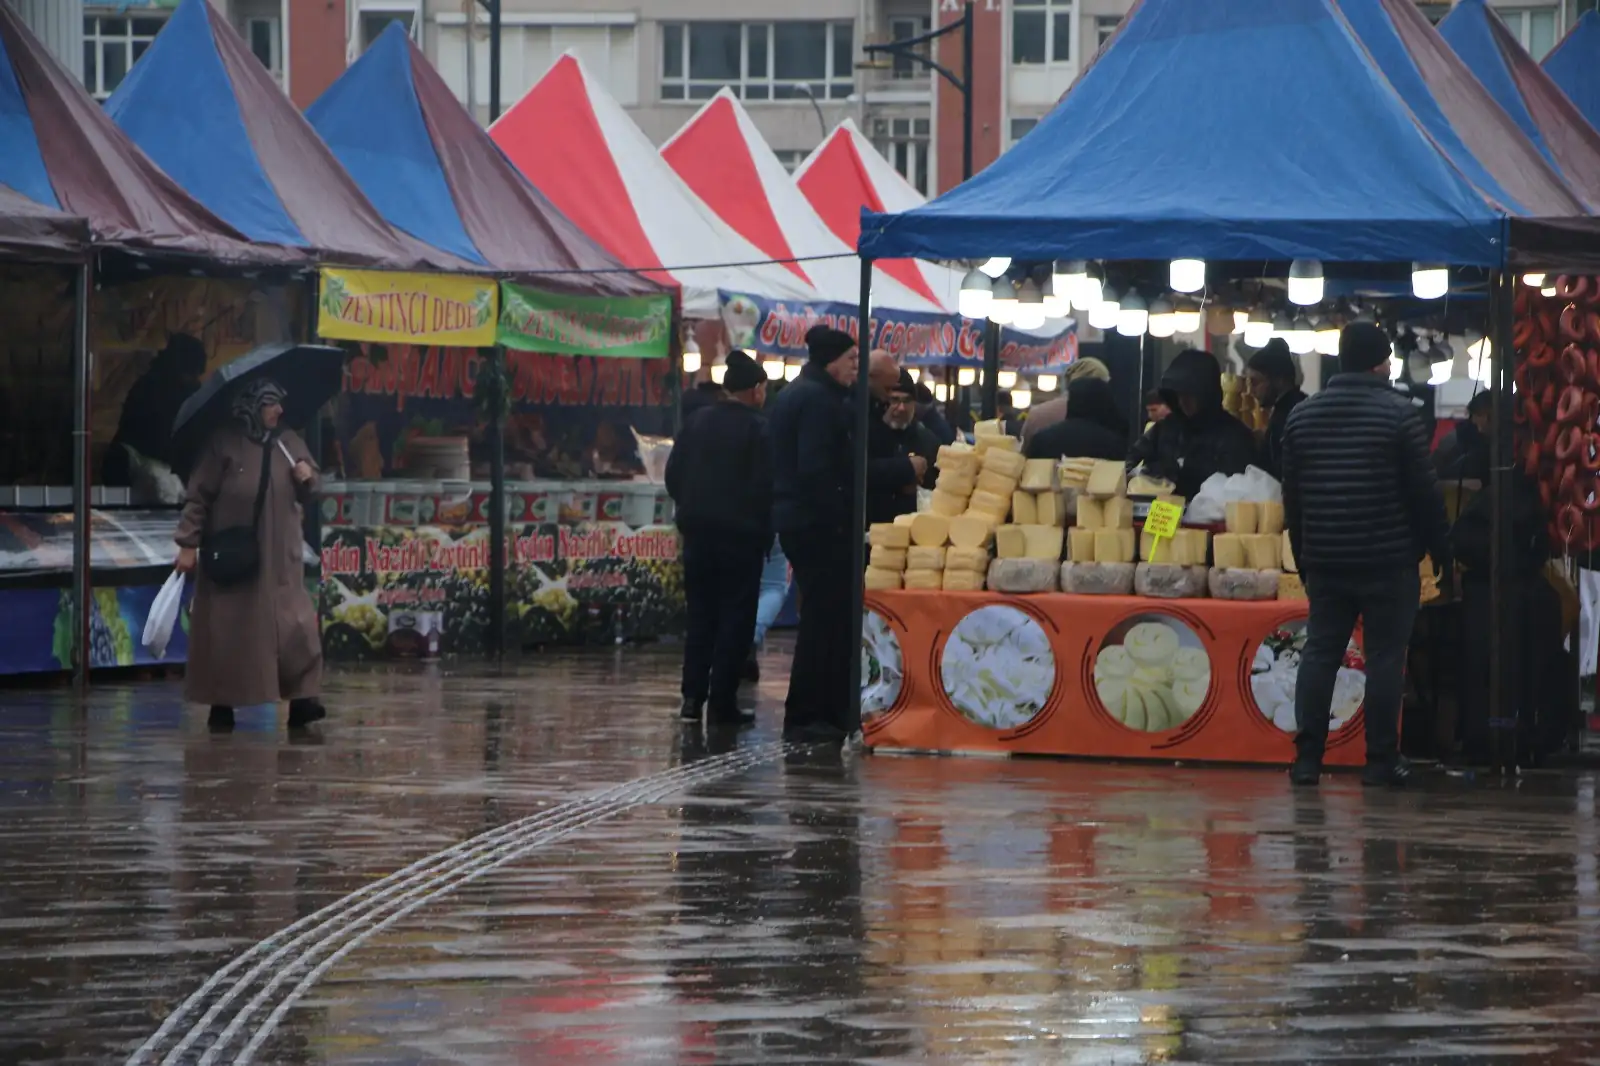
<point>799,70</point>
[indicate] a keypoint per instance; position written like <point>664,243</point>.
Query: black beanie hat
<point>905,386</point>
<point>827,344</point>
<point>1362,346</point>
<point>1275,361</point>
<point>743,372</point>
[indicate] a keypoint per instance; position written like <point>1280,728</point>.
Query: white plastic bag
<point>163,616</point>
<point>1210,504</point>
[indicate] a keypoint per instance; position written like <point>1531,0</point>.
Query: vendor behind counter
<point>1199,438</point>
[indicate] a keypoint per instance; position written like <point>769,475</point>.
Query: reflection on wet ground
<point>806,909</point>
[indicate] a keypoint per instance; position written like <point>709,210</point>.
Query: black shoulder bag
<point>232,556</point>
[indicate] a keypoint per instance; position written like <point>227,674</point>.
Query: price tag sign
<point>1161,523</point>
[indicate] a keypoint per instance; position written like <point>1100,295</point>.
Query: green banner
<point>623,327</point>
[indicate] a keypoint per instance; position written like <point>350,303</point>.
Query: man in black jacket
<point>897,455</point>
<point>1275,383</point>
<point>1361,505</point>
<point>720,481</point>
<point>809,430</point>
<point>1198,438</point>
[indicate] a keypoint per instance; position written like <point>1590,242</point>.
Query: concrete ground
<point>541,866</point>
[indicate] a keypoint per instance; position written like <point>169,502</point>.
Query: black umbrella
<point>310,374</point>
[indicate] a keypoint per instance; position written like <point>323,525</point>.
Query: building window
<point>111,46</point>
<point>757,60</point>
<point>1535,27</point>
<point>790,157</point>
<point>1021,127</point>
<point>1104,27</point>
<point>904,29</point>
<point>905,142</point>
<point>1041,31</point>
<point>373,23</point>
<point>266,41</point>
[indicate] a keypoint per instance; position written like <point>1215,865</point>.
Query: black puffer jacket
<point>718,475</point>
<point>1359,491</point>
<point>808,428</point>
<point>1093,428</point>
<point>1188,449</point>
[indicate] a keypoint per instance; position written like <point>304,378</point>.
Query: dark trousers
<point>722,584</point>
<point>1539,669</point>
<point>1386,603</point>
<point>819,680</point>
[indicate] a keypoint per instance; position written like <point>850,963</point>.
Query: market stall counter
<point>1098,676</point>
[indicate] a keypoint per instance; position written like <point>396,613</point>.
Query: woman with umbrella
<point>254,636</point>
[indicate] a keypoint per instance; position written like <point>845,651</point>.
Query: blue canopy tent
<point>1574,65</point>
<point>263,169</point>
<point>1534,101</point>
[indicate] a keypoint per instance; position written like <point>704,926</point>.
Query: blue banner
<point>40,628</point>
<point>778,327</point>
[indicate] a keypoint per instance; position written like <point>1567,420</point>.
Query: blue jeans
<point>774,590</point>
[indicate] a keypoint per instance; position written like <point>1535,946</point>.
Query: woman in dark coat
<point>257,641</point>
<point>1092,429</point>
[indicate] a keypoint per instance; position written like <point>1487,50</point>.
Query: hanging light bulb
<point>1547,290</point>
<point>1163,318</point>
<point>718,372</point>
<point>1305,282</point>
<point>1086,295</point>
<point>773,365</point>
<point>941,392</point>
<point>1533,281</point>
<point>976,292</point>
<point>1133,318</point>
<point>791,371</point>
<point>1006,379</point>
<point>1103,315</point>
<point>1046,382</point>
<point>1327,342</point>
<point>1241,319</point>
<point>1055,306</point>
<point>1302,339</point>
<point>1258,329</point>
<point>1187,316</point>
<point>996,266</point>
<point>1282,325</point>
<point>1003,307</point>
<point>691,359</point>
<point>1021,399</point>
<point>1066,275</point>
<point>1030,306</point>
<point>1429,281</point>
<point>1187,275</point>
<point>966,377</point>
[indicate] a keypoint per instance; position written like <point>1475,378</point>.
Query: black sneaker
<point>1393,774</point>
<point>730,716</point>
<point>814,733</point>
<point>220,720</point>
<point>303,712</point>
<point>1305,772</point>
<point>690,711</point>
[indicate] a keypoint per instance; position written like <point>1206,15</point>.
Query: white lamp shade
<point>1003,307</point>
<point>1047,382</point>
<point>966,376</point>
<point>1240,320</point>
<point>996,265</point>
<point>1187,275</point>
<point>1021,399</point>
<point>941,392</point>
<point>791,371</point>
<point>1187,317</point>
<point>976,292</point>
<point>1006,379</point>
<point>1103,315</point>
<point>719,372</point>
<point>1327,342</point>
<point>1088,293</point>
<point>1163,318</point>
<point>1258,330</point>
<point>1067,275</point>
<point>1301,338</point>
<point>1133,317</point>
<point>1305,282</point>
<point>1429,281</point>
<point>1547,290</point>
<point>773,367</point>
<point>1533,281</point>
<point>691,360</point>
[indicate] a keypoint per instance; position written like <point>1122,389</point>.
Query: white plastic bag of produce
<point>1210,504</point>
<point>163,616</point>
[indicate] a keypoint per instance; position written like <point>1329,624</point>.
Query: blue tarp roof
<point>204,108</point>
<point>1527,94</point>
<point>1254,130</point>
<point>1574,65</point>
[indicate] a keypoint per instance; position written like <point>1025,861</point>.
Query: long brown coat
<point>256,642</point>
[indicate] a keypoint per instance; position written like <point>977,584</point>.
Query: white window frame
<point>1105,26</point>
<point>360,9</point>
<point>1012,137</point>
<point>1520,21</point>
<point>1052,10</point>
<point>769,83</point>
<point>275,64</point>
<point>907,143</point>
<point>92,37</point>
<point>912,70</point>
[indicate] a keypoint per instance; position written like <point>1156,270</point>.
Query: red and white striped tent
<point>572,139</point>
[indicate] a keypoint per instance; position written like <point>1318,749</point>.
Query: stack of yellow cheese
<point>1290,586</point>
<point>1187,547</point>
<point>889,544</point>
<point>1255,537</point>
<point>1103,529</point>
<point>1034,530</point>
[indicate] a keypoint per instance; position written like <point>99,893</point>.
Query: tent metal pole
<point>1502,583</point>
<point>858,491</point>
<point>82,557</point>
<point>990,385</point>
<point>497,507</point>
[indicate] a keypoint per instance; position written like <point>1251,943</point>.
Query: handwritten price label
<point>1161,523</point>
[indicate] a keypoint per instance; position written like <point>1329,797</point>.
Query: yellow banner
<point>373,305</point>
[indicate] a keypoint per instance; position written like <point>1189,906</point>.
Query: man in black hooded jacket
<point>1361,504</point>
<point>1198,438</point>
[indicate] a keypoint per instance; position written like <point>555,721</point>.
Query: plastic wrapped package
<point>1097,579</point>
<point>1244,584</point>
<point>1168,582</point>
<point>1022,575</point>
<point>653,453</point>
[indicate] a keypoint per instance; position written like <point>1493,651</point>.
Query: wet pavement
<point>647,896</point>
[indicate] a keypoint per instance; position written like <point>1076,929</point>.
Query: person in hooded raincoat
<point>1092,429</point>
<point>257,641</point>
<point>1199,438</point>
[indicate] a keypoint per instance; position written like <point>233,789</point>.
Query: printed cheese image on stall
<point>1276,668</point>
<point>882,666</point>
<point>997,667</point>
<point>1152,673</point>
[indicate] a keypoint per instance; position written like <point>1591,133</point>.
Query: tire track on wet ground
<point>218,1016</point>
